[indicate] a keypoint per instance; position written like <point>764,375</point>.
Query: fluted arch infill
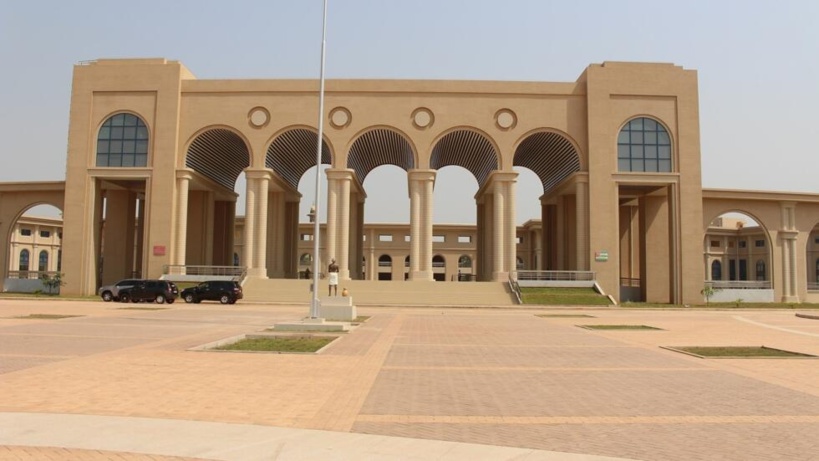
<point>467,149</point>
<point>378,147</point>
<point>293,152</point>
<point>551,156</point>
<point>220,155</point>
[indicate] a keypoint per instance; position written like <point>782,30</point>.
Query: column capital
<point>421,175</point>
<point>185,173</point>
<point>258,174</point>
<point>344,174</point>
<point>788,234</point>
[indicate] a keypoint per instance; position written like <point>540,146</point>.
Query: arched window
<point>716,270</point>
<point>43,263</point>
<point>24,260</point>
<point>306,259</point>
<point>438,261</point>
<point>760,270</point>
<point>384,261</point>
<point>644,145</point>
<point>235,259</point>
<point>464,262</point>
<point>122,141</point>
<point>407,261</point>
<point>520,264</point>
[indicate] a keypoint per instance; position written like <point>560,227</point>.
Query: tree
<point>52,282</point>
<point>708,291</point>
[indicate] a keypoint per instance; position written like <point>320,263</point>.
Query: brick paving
<point>491,376</point>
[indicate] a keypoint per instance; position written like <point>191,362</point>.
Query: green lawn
<point>563,296</point>
<point>280,344</point>
<point>739,351</point>
<point>618,327</point>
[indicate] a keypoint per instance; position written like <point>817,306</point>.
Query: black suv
<point>224,291</point>
<point>158,291</point>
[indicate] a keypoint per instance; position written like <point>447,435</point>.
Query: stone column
<point>260,234</point>
<point>499,238</point>
<point>415,228</point>
<point>426,225</point>
<point>511,225</point>
<point>250,223</point>
<point>344,227</point>
<point>183,179</point>
<point>581,211</point>
<point>788,236</point>
<point>421,203</point>
<point>332,221</point>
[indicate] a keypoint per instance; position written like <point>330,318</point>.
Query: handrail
<point>237,272</point>
<point>739,284</point>
<point>534,275</point>
<point>32,274</point>
<point>513,285</point>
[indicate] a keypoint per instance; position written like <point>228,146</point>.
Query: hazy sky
<point>757,64</point>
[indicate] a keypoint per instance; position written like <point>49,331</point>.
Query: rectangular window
<point>45,234</point>
<point>743,243</point>
<point>464,239</point>
<point>306,237</point>
<point>407,238</point>
<point>714,243</point>
<point>26,232</point>
<point>438,239</point>
<point>518,240</point>
<point>385,238</point>
<point>759,243</point>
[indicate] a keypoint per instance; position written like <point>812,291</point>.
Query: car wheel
<point>124,297</point>
<point>224,299</point>
<point>160,299</point>
<point>189,298</point>
<point>107,296</point>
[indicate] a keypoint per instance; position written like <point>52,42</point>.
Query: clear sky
<point>757,62</point>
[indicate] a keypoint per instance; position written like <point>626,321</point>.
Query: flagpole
<point>314,302</point>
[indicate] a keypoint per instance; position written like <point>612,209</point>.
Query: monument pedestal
<point>338,308</point>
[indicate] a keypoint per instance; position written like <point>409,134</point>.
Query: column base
<point>257,272</point>
<point>790,299</point>
<point>421,276</point>
<point>500,276</point>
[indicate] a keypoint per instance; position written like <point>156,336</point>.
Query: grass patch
<point>563,296</point>
<point>618,327</point>
<point>738,352</point>
<point>566,316</point>
<point>722,306</point>
<point>280,344</point>
<point>46,316</point>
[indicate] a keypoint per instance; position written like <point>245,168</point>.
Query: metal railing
<point>32,275</point>
<point>739,284</point>
<point>513,285</point>
<point>629,282</point>
<point>561,276</point>
<point>237,272</point>
<point>813,286</point>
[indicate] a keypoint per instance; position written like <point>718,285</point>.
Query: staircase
<point>384,293</point>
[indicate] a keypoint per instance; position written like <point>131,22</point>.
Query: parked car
<point>111,292</point>
<point>158,291</point>
<point>224,291</point>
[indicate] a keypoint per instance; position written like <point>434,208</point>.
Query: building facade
<point>155,153</point>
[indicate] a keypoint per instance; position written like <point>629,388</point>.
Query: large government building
<point>154,154</point>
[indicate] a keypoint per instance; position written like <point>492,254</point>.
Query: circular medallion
<point>506,119</point>
<point>340,117</point>
<point>258,117</point>
<point>422,118</point>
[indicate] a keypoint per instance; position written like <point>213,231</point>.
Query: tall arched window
<point>644,145</point>
<point>306,259</point>
<point>24,255</point>
<point>384,261</point>
<point>760,270</point>
<point>43,262</point>
<point>122,141</point>
<point>464,262</point>
<point>716,270</point>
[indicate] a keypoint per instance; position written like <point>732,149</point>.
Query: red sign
<point>159,250</point>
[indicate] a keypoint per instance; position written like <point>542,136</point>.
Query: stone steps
<point>384,293</point>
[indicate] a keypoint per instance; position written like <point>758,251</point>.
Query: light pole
<point>314,302</point>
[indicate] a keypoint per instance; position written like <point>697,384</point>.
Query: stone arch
<point>220,153</point>
<point>293,151</point>
<point>551,155</point>
<point>469,148</point>
<point>733,235</point>
<point>377,146</point>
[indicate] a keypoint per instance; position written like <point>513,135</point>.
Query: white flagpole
<point>314,302</point>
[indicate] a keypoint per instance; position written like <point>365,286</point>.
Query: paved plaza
<point>422,383</point>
